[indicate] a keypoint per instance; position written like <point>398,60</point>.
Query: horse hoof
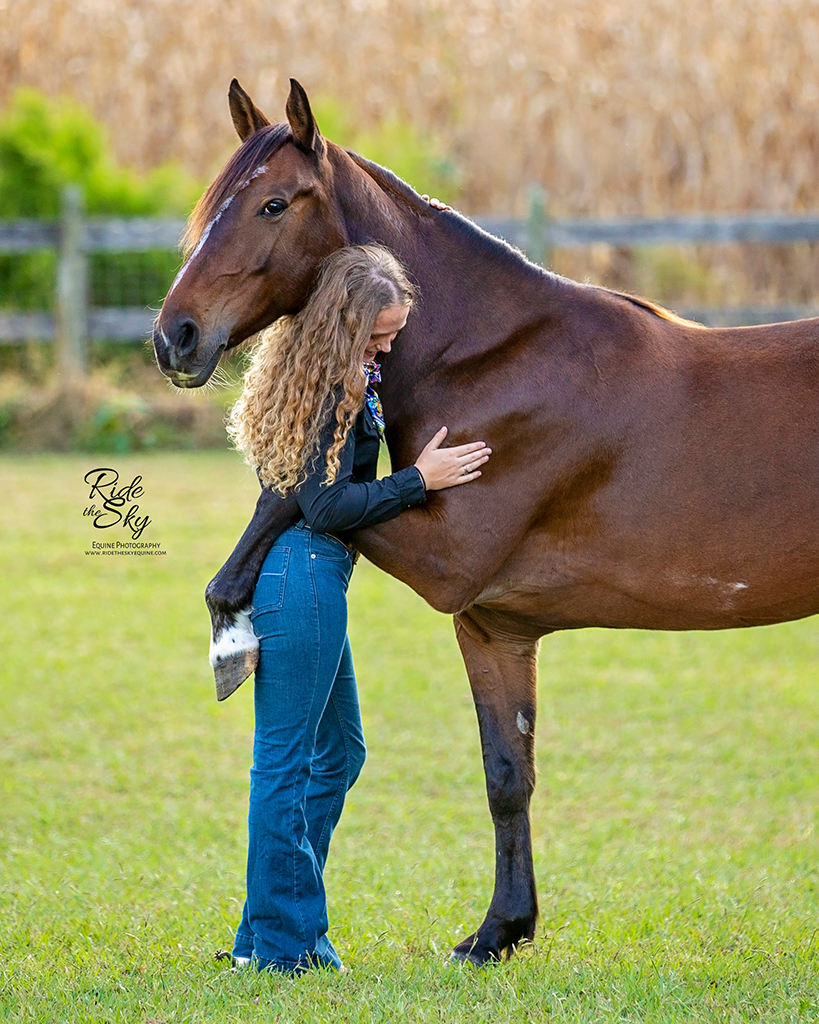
<point>469,953</point>
<point>230,672</point>
<point>469,958</point>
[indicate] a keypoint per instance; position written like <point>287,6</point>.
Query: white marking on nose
<point>523,723</point>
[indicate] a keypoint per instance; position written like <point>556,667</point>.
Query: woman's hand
<point>448,467</point>
<point>437,204</point>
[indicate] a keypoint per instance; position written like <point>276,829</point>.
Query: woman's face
<point>387,324</point>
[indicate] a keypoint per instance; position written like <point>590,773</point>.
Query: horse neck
<point>476,292</point>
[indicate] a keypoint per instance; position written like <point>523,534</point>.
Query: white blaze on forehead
<point>201,242</point>
<point>206,233</point>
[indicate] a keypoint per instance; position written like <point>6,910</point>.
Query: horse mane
<point>475,236</point>
<point>236,173</point>
<point>656,310</point>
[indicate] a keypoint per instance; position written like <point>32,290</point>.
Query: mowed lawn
<point>675,820</point>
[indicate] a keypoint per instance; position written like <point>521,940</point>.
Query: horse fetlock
<point>226,596</point>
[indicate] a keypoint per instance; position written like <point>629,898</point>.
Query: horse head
<point>253,242</point>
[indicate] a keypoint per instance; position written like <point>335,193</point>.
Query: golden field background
<point>615,107</point>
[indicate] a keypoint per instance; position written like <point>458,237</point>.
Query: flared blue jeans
<point>308,749</point>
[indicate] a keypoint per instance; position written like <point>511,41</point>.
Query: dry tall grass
<point>615,106</point>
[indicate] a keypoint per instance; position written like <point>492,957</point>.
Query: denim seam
<point>244,939</point>
<point>314,665</point>
<point>341,789</point>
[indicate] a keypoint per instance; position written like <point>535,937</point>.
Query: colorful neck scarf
<point>373,372</point>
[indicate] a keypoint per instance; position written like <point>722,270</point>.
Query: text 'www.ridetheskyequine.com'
<point>128,547</point>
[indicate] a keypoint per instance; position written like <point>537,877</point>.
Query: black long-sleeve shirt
<point>356,498</point>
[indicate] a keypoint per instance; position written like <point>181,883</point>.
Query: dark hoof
<point>230,672</point>
<point>460,958</point>
<point>470,951</point>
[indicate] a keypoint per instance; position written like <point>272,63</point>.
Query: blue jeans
<point>308,749</point>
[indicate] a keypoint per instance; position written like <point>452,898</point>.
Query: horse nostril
<point>187,337</point>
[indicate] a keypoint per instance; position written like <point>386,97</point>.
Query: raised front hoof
<point>231,671</point>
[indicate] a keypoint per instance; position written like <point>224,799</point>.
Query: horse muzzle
<point>179,352</point>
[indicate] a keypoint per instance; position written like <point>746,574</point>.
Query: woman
<point>310,422</point>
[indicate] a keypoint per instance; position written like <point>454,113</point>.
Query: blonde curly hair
<point>307,366</point>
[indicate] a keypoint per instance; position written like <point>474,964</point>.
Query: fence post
<point>72,287</point>
<point>538,233</point>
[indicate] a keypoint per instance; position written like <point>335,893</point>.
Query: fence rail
<point>75,236</point>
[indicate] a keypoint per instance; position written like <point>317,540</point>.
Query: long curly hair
<point>308,366</point>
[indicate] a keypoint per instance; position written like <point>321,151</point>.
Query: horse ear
<point>247,118</point>
<point>302,123</point>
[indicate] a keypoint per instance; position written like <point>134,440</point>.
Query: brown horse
<point>647,472</point>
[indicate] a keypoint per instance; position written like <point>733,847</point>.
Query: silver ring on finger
<point>467,471</point>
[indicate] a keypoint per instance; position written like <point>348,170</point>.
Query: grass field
<point>675,820</point>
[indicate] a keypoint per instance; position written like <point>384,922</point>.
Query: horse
<point>648,472</point>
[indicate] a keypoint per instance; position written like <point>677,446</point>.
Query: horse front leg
<point>502,672</point>
<point>234,647</point>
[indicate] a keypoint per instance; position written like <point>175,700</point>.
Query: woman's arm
<point>347,504</point>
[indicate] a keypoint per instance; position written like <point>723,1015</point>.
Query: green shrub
<point>46,144</point>
<point>99,416</point>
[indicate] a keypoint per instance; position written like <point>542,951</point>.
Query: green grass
<point>675,821</point>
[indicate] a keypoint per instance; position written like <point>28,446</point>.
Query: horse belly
<point>650,585</point>
<point>704,522</point>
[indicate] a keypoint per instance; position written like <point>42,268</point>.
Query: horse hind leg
<point>503,675</point>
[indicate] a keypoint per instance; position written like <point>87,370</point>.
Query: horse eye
<point>274,208</point>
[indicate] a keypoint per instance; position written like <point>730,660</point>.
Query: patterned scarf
<point>373,372</point>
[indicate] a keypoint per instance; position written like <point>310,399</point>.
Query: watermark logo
<point>115,503</point>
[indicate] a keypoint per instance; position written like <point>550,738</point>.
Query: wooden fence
<point>75,236</point>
